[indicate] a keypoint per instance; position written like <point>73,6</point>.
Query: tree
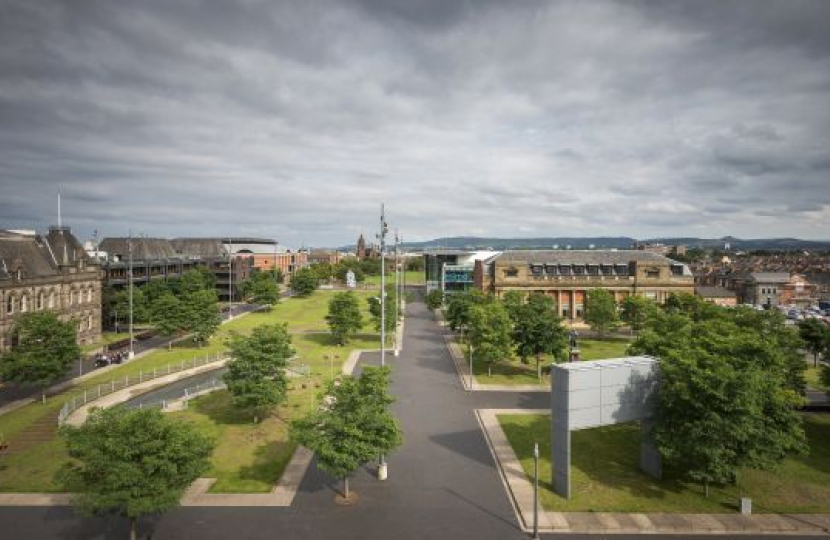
<point>434,299</point>
<point>256,373</point>
<point>339,434</point>
<point>324,271</point>
<point>727,399</point>
<point>537,330</point>
<point>382,429</point>
<point>601,311</point>
<point>261,288</point>
<point>389,316</point>
<point>490,333</point>
<point>636,310</point>
<point>201,314</point>
<point>513,302</point>
<point>44,351</point>
<point>168,315</point>
<point>816,336</point>
<point>133,463</point>
<point>304,282</point>
<point>195,280</point>
<point>152,290</point>
<point>459,305</point>
<point>344,317</point>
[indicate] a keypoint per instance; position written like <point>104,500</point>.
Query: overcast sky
<point>296,120</point>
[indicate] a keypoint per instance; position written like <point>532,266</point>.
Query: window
<point>551,270</point>
<point>40,300</point>
<point>24,304</point>
<point>89,322</point>
<point>52,299</point>
<point>579,270</point>
<point>652,273</point>
<point>536,269</point>
<point>9,305</point>
<point>89,295</point>
<point>511,272</point>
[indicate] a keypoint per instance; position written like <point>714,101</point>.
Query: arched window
<point>40,300</point>
<point>24,304</point>
<point>71,297</point>
<point>52,299</point>
<point>89,296</point>
<point>89,322</point>
<point>9,305</point>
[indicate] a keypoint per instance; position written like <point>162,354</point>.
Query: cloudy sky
<point>296,120</point>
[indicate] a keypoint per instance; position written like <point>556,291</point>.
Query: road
<point>443,482</point>
<point>10,392</point>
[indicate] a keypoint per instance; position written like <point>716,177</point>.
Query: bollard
<point>113,386</point>
<point>154,373</point>
<point>182,365</point>
<point>140,376</point>
<point>163,404</point>
<point>126,381</point>
<point>746,506</point>
<point>99,390</point>
<point>84,397</point>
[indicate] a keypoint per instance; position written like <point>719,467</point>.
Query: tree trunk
<point>489,370</point>
<point>815,359</point>
<point>539,367</point>
<point>706,483</point>
<point>346,487</point>
<point>170,344</point>
<point>132,528</point>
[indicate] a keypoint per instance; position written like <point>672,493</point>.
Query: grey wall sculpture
<point>600,393</point>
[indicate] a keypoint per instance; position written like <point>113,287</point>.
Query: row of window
<point>44,301</point>
<point>767,290</point>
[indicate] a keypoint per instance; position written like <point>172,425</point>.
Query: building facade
<point>48,273</point>
<point>567,276</point>
<point>719,296</point>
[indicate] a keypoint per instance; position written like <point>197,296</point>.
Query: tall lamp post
<point>230,278</point>
<point>130,354</point>
<point>397,296</point>
<point>382,237</point>
<point>535,491</point>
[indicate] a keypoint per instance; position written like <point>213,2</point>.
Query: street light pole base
<point>131,355</point>
<point>383,471</point>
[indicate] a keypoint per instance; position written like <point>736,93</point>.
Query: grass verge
<point>605,475</point>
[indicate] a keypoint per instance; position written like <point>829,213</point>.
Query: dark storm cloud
<point>296,119</point>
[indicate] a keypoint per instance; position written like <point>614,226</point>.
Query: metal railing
<point>188,393</point>
<point>120,383</point>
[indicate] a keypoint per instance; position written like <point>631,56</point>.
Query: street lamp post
<point>535,491</point>
<point>230,278</point>
<point>131,354</point>
<point>382,237</point>
<point>470,346</point>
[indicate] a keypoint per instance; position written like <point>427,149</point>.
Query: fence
<point>101,390</point>
<point>189,392</point>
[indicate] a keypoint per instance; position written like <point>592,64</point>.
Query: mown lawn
<point>605,475</point>
<point>34,469</point>
<point>411,278</point>
<point>813,378</point>
<point>515,372</point>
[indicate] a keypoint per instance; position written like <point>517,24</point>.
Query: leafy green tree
<point>727,398</point>
<point>514,301</point>
<point>537,330</point>
<point>344,317</point>
<point>825,377</point>
<point>195,280</point>
<point>375,310</point>
<point>381,427</point>
<point>152,290</point>
<point>304,282</point>
<point>601,312</point>
<point>341,433</point>
<point>459,306</point>
<point>349,263</point>
<point>434,299</point>
<point>636,310</point>
<point>133,463</point>
<point>415,264</point>
<point>201,314</point>
<point>490,333</point>
<point>256,373</point>
<point>323,271</point>
<point>261,288</point>
<point>816,336</point>
<point>44,351</point>
<point>168,315</point>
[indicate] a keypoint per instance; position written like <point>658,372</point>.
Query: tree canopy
<point>601,311</point>
<point>256,372</point>
<point>304,282</point>
<point>201,313</point>
<point>44,351</point>
<point>261,288</point>
<point>537,330</point>
<point>816,337</point>
<point>636,310</point>
<point>459,305</point>
<point>729,390</point>
<point>390,315</point>
<point>434,299</point>
<point>168,315</point>
<point>344,317</point>
<point>133,463</point>
<point>490,333</point>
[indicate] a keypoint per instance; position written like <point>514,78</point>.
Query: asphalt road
<point>10,392</point>
<point>443,482</point>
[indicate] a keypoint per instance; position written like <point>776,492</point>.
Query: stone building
<point>567,276</point>
<point>51,272</point>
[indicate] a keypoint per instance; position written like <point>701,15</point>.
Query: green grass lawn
<point>515,372</point>
<point>605,475</point>
<point>31,472</point>
<point>813,378</point>
<point>411,278</point>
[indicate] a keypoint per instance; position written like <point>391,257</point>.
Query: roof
<point>39,256</point>
<point>199,247</point>
<point>714,292</point>
<point>585,365</point>
<point>580,257</point>
<point>144,249</point>
<point>770,276</point>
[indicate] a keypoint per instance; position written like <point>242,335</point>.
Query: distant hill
<point>610,242</point>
